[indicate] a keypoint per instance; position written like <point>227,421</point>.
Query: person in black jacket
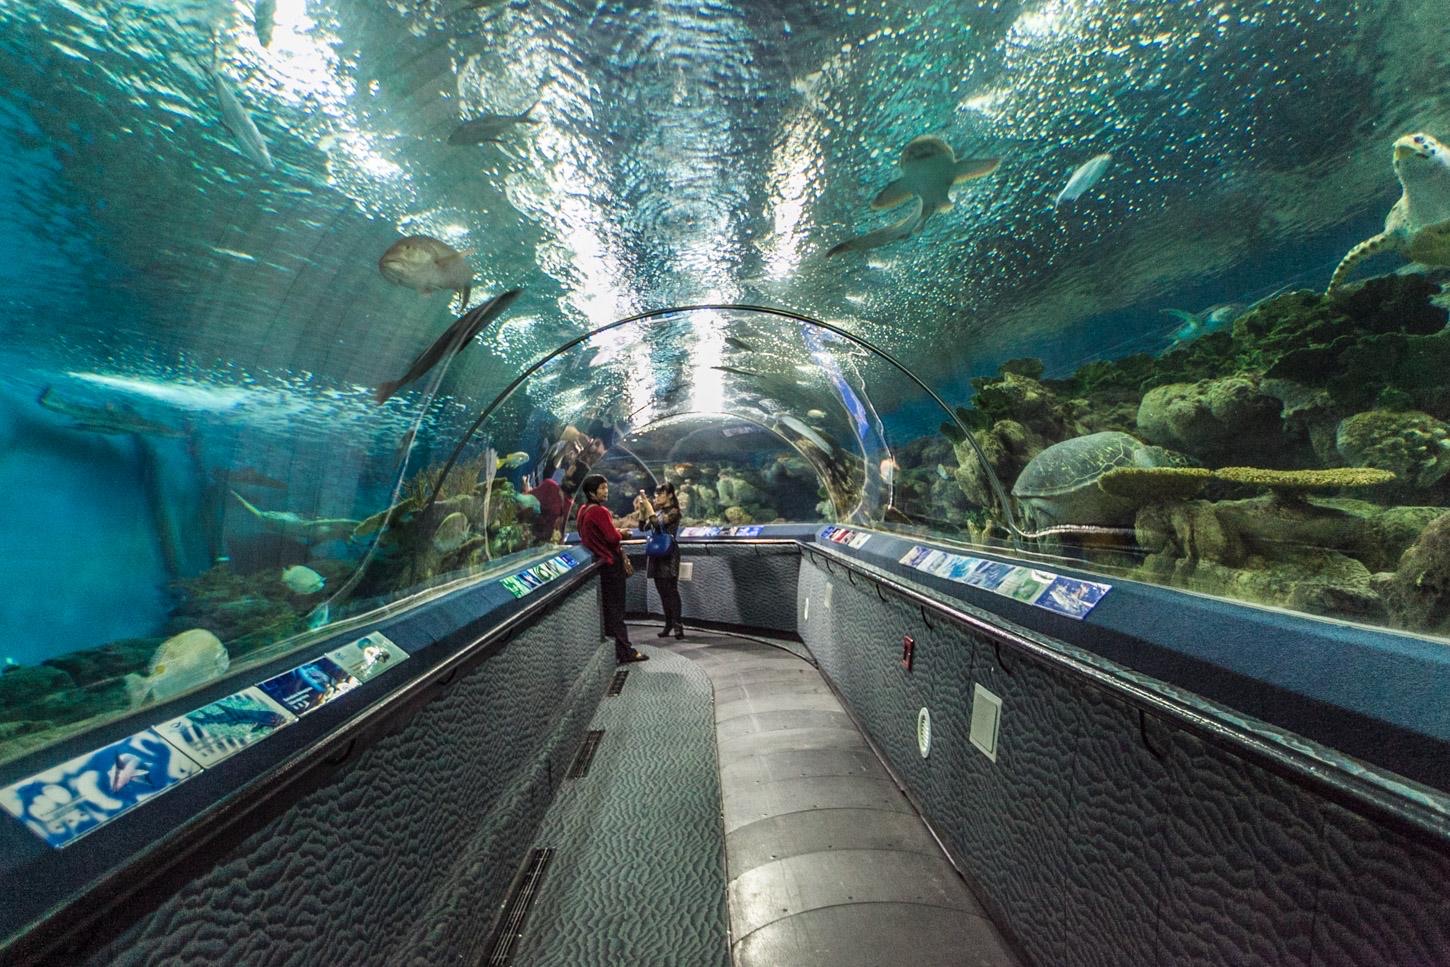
<point>663,514</point>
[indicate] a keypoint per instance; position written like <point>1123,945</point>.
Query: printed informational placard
<point>539,574</point>
<point>76,797</point>
<point>751,530</point>
<point>368,657</point>
<point>712,531</point>
<point>226,726</point>
<point>310,686</point>
<point>843,535</point>
<point>1044,589</point>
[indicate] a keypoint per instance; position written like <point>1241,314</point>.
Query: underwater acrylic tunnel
<point>1080,463</point>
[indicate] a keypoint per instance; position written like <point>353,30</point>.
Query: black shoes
<point>665,633</point>
<point>634,655</point>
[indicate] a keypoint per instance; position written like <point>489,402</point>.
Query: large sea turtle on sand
<point>1418,226</point>
<point>1060,484</point>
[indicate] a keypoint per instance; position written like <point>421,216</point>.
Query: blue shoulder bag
<point>660,544</point>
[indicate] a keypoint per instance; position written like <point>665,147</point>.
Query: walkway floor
<point>827,861</point>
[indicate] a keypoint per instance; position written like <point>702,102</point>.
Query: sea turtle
<point>1060,484</point>
<point>1418,226</point>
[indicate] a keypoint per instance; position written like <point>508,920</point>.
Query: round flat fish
<point>451,532</point>
<point>183,662</point>
<point>426,264</point>
<point>303,580</point>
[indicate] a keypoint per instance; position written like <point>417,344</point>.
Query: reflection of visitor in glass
<point>553,511</point>
<point>599,532</point>
<point>664,515</point>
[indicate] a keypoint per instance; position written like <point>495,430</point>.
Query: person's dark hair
<point>667,487</point>
<point>591,484</point>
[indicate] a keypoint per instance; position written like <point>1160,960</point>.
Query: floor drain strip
<point>516,911</point>
<point>617,685</point>
<point>585,756</point>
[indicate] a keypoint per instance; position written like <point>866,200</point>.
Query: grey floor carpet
<point>638,876</point>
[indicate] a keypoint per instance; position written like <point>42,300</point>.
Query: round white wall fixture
<point>923,732</point>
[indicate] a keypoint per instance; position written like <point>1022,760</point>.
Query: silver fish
<point>239,122</point>
<point>1084,178</point>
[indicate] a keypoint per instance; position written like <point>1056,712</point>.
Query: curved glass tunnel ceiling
<point>1097,231</point>
<point>781,379</point>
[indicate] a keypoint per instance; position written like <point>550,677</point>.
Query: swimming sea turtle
<point>1060,484</point>
<point>1418,226</point>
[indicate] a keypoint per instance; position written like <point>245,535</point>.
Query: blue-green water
<point>212,324</point>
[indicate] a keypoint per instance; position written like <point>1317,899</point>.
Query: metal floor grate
<point>617,685</point>
<point>585,756</point>
<point>516,911</point>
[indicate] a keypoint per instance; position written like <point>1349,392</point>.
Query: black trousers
<point>611,584</point>
<point>669,591</point>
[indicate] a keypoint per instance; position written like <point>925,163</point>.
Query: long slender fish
<point>264,18</point>
<point>490,127</point>
<point>1084,178</point>
<point>238,121</point>
<point>458,335</point>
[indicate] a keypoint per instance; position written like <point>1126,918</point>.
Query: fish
<point>737,372</point>
<point>264,18</point>
<point>489,127</point>
<point>183,662</point>
<point>528,502</point>
<point>125,770</point>
<point>734,342</point>
<point>1210,320</point>
<point>815,414</point>
<point>249,140</point>
<point>514,460</point>
<point>806,433</point>
<point>246,476</point>
<point>109,419</point>
<point>1086,175</point>
<point>303,580</point>
<point>930,169</point>
<point>426,264</point>
<point>490,470</point>
<point>458,335</point>
<point>943,472</point>
<point>451,532</point>
<point>288,524</point>
<point>405,446</point>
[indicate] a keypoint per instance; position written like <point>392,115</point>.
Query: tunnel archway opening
<point>835,397</point>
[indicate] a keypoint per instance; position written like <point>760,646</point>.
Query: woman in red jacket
<point>599,531</point>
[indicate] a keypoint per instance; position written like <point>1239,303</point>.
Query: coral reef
<point>1412,445</point>
<point>1215,420</point>
<point>1417,594</point>
<point>1308,397</point>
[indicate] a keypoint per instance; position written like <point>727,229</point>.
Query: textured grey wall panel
<point>745,585</point>
<point>1118,821</point>
<point>1370,873</point>
<point>404,855</point>
<point>1103,837</point>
